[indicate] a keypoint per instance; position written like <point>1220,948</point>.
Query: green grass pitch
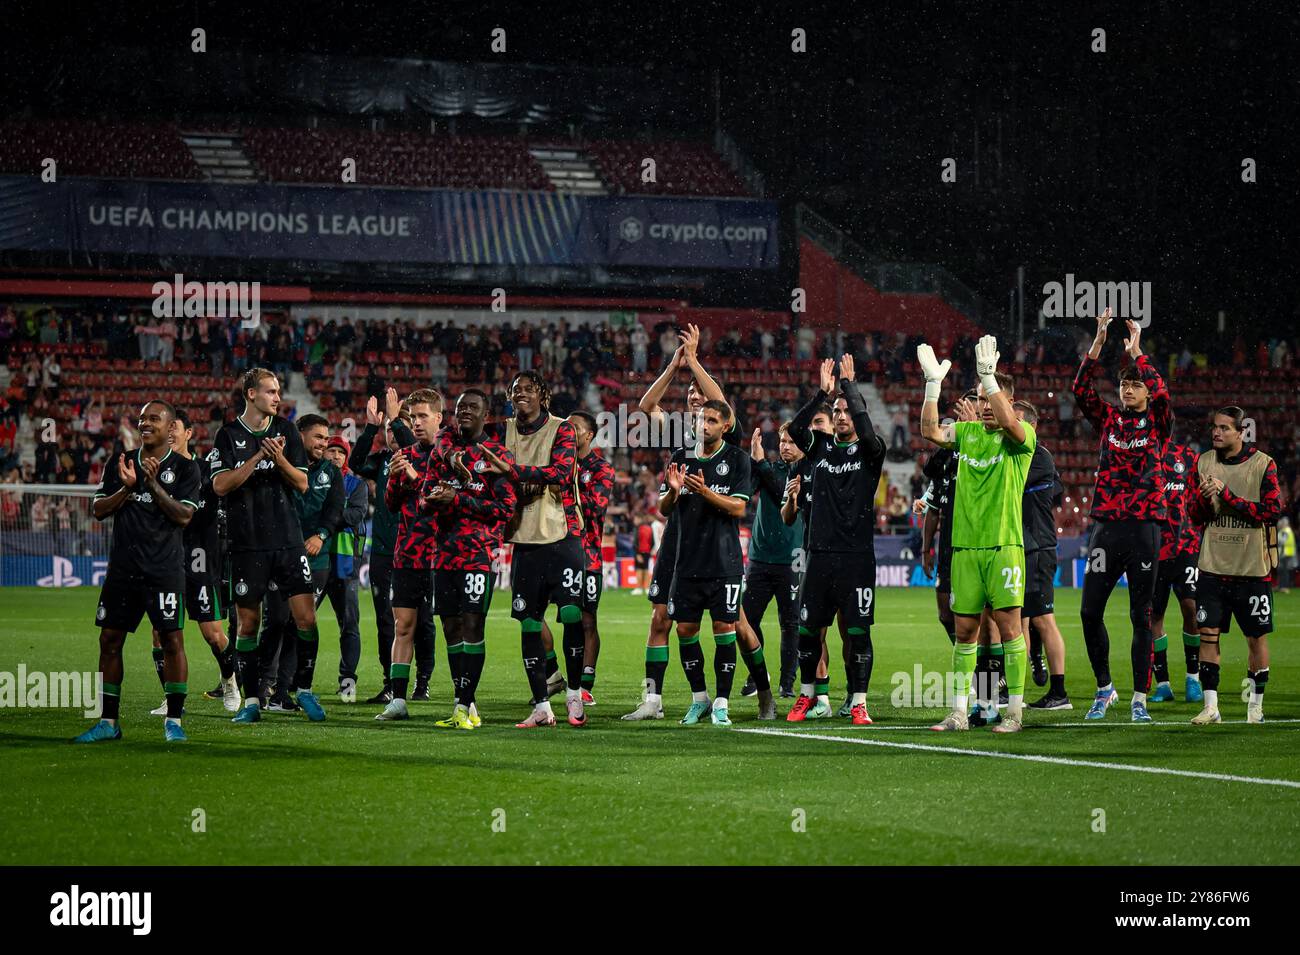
<point>352,791</point>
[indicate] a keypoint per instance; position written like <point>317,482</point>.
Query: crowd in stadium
<point>590,364</point>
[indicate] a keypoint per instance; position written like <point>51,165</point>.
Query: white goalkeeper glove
<point>933,369</point>
<point>986,364</point>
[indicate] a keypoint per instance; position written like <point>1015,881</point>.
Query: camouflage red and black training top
<point>595,486</point>
<point>416,542</point>
<point>469,528</point>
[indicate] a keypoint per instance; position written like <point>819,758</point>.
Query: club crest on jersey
<point>323,479</point>
<point>241,588</point>
<point>722,469</point>
<point>586,477</point>
<point>803,613</point>
<point>167,477</point>
<point>654,590</point>
<point>1180,467</point>
<point>1142,422</point>
<point>520,603</point>
<point>480,465</point>
<point>852,448</point>
<point>101,613</point>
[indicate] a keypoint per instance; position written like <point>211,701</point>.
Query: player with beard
<point>152,494</point>
<point>546,534</point>
<point>710,486</point>
<point>699,389</point>
<point>470,505</point>
<point>1238,502</point>
<point>409,476</point>
<point>203,585</point>
<point>1180,542</point>
<point>1043,494</point>
<point>841,569</point>
<point>596,483</point>
<point>1128,509</point>
<point>259,467</point>
<point>395,427</point>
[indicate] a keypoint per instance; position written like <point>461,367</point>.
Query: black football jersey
<point>942,470</point>
<point>708,541</point>
<point>260,514</point>
<point>203,534</point>
<point>842,515</point>
<point>1043,492</point>
<point>147,543</point>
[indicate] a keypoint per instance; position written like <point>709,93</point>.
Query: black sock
<point>575,647</point>
<point>401,679</point>
<point>158,665</point>
<point>810,651</point>
<point>589,678</point>
<point>225,659</point>
<point>656,667</point>
<point>983,684</point>
<point>535,661</point>
<point>1161,666</point>
<point>472,657</point>
<point>724,662</point>
<point>1035,644</point>
<point>757,666</point>
<point>1209,676</point>
<point>308,642</point>
<point>1261,679</point>
<point>861,659</point>
<point>1057,687</point>
<point>111,696</point>
<point>995,676</point>
<point>693,662</point>
<point>175,699</point>
<point>249,662</point>
<point>1192,653</point>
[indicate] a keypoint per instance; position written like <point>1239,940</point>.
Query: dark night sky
<point>1119,166</point>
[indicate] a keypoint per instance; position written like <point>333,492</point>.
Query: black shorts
<point>456,592</point>
<point>838,583</point>
<point>641,561</point>
<point>544,574</point>
<point>412,588</point>
<point>1249,599</point>
<point>943,572</point>
<point>690,598</point>
<point>593,585</point>
<point>661,581</point>
<point>205,597</point>
<point>124,599</point>
<point>1178,574</point>
<point>254,572</point>
<point>1040,582</point>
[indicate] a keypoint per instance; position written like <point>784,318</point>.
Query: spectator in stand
<point>438,369</point>
<point>32,376</point>
<point>216,350</point>
<point>50,329</point>
<point>166,342</point>
<point>47,458</point>
<point>525,348</point>
<point>806,343</point>
<point>40,513</point>
<point>341,383</point>
<point>899,441</point>
<point>146,338</point>
<point>51,375</point>
<point>640,341</point>
<point>8,331</point>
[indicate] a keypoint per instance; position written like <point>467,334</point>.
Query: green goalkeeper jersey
<point>991,473</point>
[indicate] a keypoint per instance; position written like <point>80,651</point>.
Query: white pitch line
<point>1030,758</point>
<point>1080,725</point>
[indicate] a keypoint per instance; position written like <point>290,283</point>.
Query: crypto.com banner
<point>358,224</point>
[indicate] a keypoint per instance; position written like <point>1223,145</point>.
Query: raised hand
<point>392,404</point>
<point>918,507</point>
<point>792,489</point>
<point>372,412</point>
<point>457,461</point>
<point>150,468</point>
<point>400,462</point>
<point>756,445</point>
<point>1102,321</point>
<point>690,342</point>
<point>986,356</point>
<point>846,368</point>
<point>965,409</point>
<point>126,471</point>
<point>674,477</point>
<point>826,376</point>
<point>695,482</point>
<point>1133,344</point>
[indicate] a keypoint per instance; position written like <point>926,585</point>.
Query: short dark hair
<point>721,407</point>
<point>477,393</point>
<point>587,418</point>
<point>171,409</point>
<point>309,421</point>
<point>1235,412</point>
<point>1006,383</point>
<point>825,409</point>
<point>1031,413</point>
<point>183,416</point>
<point>1131,373</point>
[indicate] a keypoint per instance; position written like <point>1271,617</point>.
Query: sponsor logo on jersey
<point>241,444</point>
<point>1127,445</point>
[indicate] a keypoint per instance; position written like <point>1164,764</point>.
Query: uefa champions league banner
<point>337,224</point>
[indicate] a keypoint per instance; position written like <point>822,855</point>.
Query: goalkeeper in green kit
<point>988,546</point>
